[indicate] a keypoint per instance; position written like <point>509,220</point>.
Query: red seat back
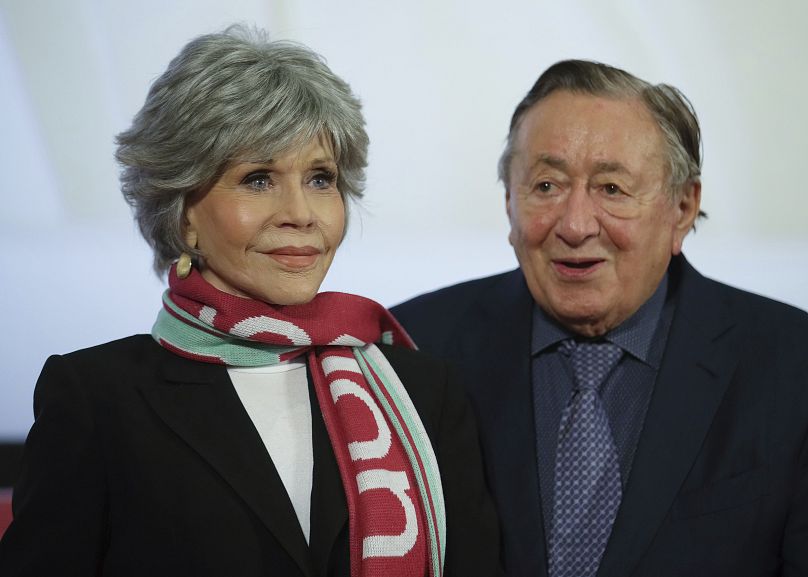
<point>5,510</point>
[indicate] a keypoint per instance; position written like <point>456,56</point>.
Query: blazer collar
<point>198,402</point>
<point>695,372</point>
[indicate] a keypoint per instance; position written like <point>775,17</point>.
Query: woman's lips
<point>295,256</point>
<point>577,268</point>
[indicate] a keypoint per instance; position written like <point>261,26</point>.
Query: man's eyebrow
<point>618,167</point>
<point>549,160</point>
<point>561,164</point>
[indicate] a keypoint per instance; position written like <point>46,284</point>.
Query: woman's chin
<point>294,301</point>
<point>278,288</point>
<point>289,296</point>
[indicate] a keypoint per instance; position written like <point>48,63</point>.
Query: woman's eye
<point>257,181</point>
<point>323,179</point>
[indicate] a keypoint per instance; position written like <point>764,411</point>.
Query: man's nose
<point>578,221</point>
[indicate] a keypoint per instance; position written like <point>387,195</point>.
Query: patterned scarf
<point>388,468</point>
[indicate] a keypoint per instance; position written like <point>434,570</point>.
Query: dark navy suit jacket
<point>719,484</point>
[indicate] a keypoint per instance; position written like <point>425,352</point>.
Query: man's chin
<point>585,320</point>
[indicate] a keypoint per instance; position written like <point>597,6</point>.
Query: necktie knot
<point>591,362</point>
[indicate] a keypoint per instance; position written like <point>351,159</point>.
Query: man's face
<point>593,224</point>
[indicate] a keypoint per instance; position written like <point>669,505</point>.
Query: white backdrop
<point>439,81</point>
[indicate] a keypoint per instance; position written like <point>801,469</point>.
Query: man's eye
<point>257,181</point>
<point>544,186</point>
<point>611,189</point>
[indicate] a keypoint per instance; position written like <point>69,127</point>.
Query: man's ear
<point>509,211</point>
<point>687,210</point>
<point>508,202</point>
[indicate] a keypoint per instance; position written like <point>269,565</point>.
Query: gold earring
<point>184,265</point>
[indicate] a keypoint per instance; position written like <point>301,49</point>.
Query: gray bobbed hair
<point>670,108</point>
<point>227,97</point>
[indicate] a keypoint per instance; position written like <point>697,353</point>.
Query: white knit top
<point>276,398</point>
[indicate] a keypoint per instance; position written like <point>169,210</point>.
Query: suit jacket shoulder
<point>431,319</point>
<point>768,333</point>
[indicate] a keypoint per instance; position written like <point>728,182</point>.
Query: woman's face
<point>269,231</point>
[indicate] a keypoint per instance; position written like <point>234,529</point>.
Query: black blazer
<point>143,463</point>
<point>719,483</point>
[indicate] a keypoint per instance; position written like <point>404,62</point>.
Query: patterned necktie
<point>587,470</point>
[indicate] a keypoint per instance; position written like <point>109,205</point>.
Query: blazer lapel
<point>695,371</point>
<point>329,511</point>
<point>198,402</point>
<point>499,377</point>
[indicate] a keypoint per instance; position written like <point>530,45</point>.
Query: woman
<point>257,431</point>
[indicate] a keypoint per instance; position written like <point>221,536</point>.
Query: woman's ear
<point>190,235</point>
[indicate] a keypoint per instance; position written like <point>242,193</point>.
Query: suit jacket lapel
<point>198,402</point>
<point>695,371</point>
<point>499,375</point>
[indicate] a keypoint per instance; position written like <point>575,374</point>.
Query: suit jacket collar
<point>696,369</point>
<point>198,402</point>
<point>493,342</point>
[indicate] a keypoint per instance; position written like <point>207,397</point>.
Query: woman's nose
<point>295,207</point>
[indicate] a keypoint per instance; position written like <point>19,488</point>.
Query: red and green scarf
<point>389,472</point>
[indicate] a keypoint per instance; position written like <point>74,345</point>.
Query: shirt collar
<point>635,335</point>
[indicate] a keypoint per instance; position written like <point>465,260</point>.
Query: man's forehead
<point>599,166</point>
<point>612,133</point>
<point>574,111</point>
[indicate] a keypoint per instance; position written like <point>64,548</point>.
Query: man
<point>637,419</point>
